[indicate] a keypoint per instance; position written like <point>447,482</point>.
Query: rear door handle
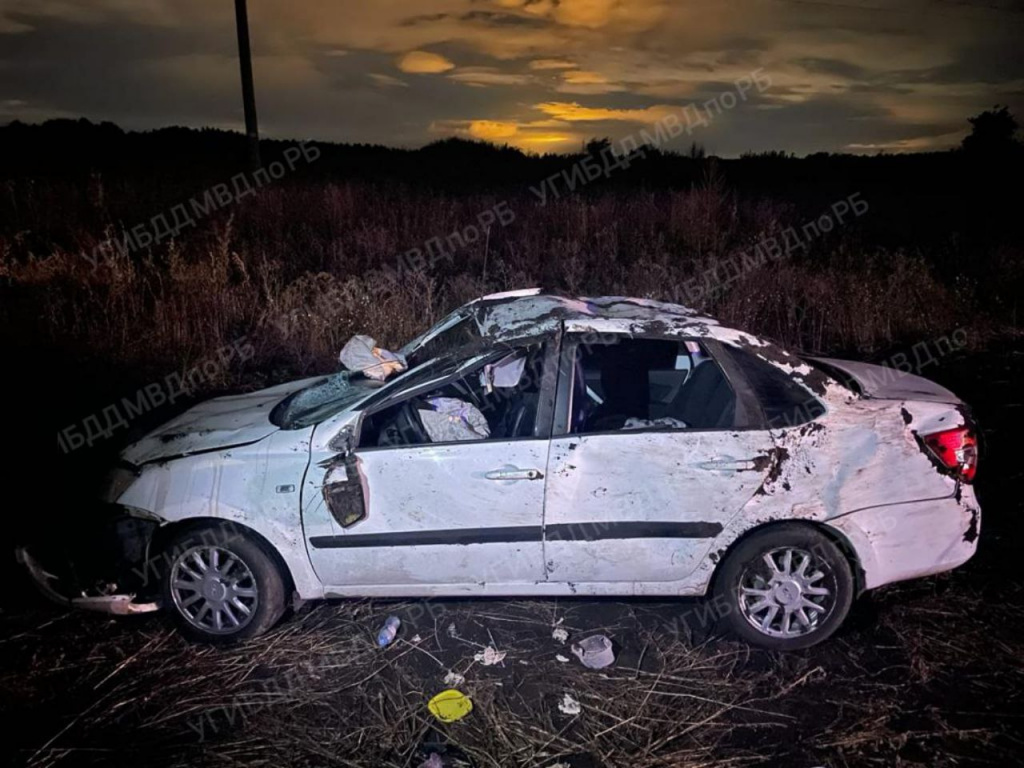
<point>736,465</point>
<point>515,473</point>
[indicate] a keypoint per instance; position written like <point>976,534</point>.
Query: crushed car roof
<point>527,313</point>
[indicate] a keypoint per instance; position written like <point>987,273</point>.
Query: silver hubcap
<point>214,590</point>
<point>787,593</point>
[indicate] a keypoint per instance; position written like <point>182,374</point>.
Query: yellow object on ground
<point>449,706</point>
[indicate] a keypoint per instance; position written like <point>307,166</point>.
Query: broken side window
<point>631,384</point>
<point>496,400</point>
<point>785,403</point>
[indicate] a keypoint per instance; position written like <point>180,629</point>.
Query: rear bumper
<point>907,541</point>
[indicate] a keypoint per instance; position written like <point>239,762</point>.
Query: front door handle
<point>514,473</point>
<point>737,465</point>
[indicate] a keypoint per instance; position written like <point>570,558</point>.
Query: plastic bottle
<point>387,633</point>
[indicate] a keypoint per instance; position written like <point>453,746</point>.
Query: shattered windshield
<point>321,400</point>
<point>454,338</point>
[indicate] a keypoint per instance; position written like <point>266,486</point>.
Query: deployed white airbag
<point>453,420</point>
<point>362,354</point>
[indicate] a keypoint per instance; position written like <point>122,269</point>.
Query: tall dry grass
<point>297,269</point>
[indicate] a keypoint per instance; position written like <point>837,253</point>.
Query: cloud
<point>424,62</point>
<point>545,64</point>
<point>573,113</point>
<point>932,138</point>
<point>533,7</point>
<point>387,81</point>
<point>585,13</point>
<point>584,77</point>
<point>491,130</point>
<point>585,82</point>
<point>532,135</point>
<point>484,76</point>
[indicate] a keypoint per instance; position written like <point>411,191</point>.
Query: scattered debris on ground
<point>450,706</point>
<point>489,656</point>
<point>569,706</point>
<point>387,633</point>
<point>560,634</point>
<point>595,652</point>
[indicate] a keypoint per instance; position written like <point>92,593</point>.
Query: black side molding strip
<point>522,533</point>
<point>428,538</point>
<point>635,530</point>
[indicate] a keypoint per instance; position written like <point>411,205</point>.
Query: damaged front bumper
<point>117,604</point>
<point>100,565</point>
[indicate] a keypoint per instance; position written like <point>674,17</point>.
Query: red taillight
<point>956,449</point>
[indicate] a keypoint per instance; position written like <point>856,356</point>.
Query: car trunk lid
<point>886,383</point>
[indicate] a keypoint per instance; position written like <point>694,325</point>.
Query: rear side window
<point>634,384</point>
<point>785,403</point>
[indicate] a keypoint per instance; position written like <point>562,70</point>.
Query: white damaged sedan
<point>535,445</point>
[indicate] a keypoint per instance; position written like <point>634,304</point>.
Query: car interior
<point>497,401</point>
<point>649,384</point>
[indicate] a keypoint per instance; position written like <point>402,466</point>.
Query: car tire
<point>221,586</point>
<point>795,604</point>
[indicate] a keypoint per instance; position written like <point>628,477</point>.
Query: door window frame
<point>545,404</point>
<point>749,415</point>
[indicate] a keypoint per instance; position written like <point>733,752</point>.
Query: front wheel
<point>221,586</point>
<point>785,588</point>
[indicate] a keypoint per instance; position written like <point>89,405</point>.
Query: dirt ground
<point>927,673</point>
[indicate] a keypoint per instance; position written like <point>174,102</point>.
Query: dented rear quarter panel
<point>860,472</point>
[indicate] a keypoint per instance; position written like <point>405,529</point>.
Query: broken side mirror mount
<point>343,443</point>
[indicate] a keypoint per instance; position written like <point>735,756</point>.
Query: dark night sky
<point>849,75</point>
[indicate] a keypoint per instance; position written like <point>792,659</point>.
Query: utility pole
<point>252,130</point>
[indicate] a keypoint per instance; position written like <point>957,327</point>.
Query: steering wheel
<point>409,426</point>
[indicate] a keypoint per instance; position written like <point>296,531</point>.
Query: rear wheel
<point>221,586</point>
<point>785,587</point>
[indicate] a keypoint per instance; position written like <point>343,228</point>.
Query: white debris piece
<point>490,656</point>
<point>569,706</point>
<point>561,658</point>
<point>560,634</point>
<point>454,679</point>
<point>595,652</point>
<point>361,353</point>
<point>452,631</point>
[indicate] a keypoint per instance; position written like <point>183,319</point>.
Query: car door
<point>440,516</point>
<point>654,449</point>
